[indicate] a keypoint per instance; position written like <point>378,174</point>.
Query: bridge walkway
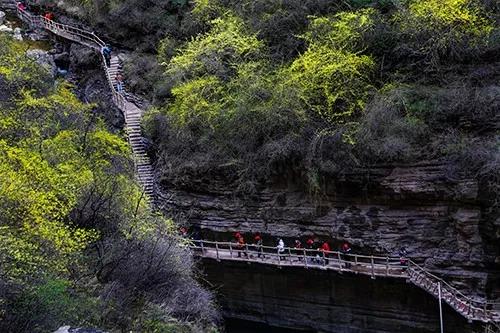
<point>373,266</point>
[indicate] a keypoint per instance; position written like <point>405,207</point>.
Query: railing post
<point>217,250</point>
<point>324,258</point>
<point>231,250</point>
<point>373,268</point>
<point>202,248</point>
<point>279,257</point>
<point>440,307</point>
<point>386,266</point>
<point>290,256</point>
<point>305,257</point>
<point>340,261</point>
<point>355,260</point>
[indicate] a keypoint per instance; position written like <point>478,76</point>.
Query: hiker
<point>309,246</point>
<point>241,247</point>
<point>346,249</point>
<point>21,6</point>
<point>325,250</point>
<point>403,260</point>
<point>106,52</point>
<point>258,245</point>
<point>119,83</point>
<point>183,232</point>
<point>281,249</point>
<point>49,16</point>
<point>298,249</point>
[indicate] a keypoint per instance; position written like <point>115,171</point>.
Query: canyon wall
<point>326,301</point>
<point>443,224</point>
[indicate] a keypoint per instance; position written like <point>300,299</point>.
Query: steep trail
<point>132,113</point>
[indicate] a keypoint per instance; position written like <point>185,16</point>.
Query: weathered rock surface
<point>43,58</point>
<point>326,301</point>
<point>443,224</point>
<point>2,17</point>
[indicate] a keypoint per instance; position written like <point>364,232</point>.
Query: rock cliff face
<point>326,301</point>
<point>444,225</point>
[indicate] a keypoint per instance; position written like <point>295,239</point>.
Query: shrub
<point>331,77</point>
<point>442,30</point>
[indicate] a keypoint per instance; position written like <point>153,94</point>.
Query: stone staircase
<point>132,113</point>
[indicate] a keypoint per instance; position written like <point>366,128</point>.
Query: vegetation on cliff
<point>78,243</point>
<point>261,89</point>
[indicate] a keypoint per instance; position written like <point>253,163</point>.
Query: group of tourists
<point>314,251</point>
<point>48,15</point>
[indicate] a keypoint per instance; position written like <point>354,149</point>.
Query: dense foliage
<point>268,88</point>
<point>78,243</point>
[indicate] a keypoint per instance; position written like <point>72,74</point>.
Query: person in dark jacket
<point>106,52</point>
<point>310,247</point>
<point>242,247</point>
<point>299,249</point>
<point>346,249</point>
<point>403,258</point>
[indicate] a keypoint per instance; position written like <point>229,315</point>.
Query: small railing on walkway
<point>373,266</point>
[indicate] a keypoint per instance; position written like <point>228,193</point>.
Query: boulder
<point>18,34</point>
<point>43,58</point>
<point>83,58</point>
<point>4,28</point>
<point>2,17</point>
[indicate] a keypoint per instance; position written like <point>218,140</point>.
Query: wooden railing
<point>81,36</point>
<point>373,266</point>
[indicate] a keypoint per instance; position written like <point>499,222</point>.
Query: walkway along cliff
<point>472,310</point>
<point>121,99</point>
<point>372,266</point>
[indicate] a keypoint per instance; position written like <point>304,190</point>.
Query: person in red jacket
<point>21,6</point>
<point>49,16</point>
<point>325,249</point>
<point>257,241</point>
<point>242,247</point>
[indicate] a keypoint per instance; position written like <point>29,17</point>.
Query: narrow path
<point>132,113</point>
<point>373,266</point>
